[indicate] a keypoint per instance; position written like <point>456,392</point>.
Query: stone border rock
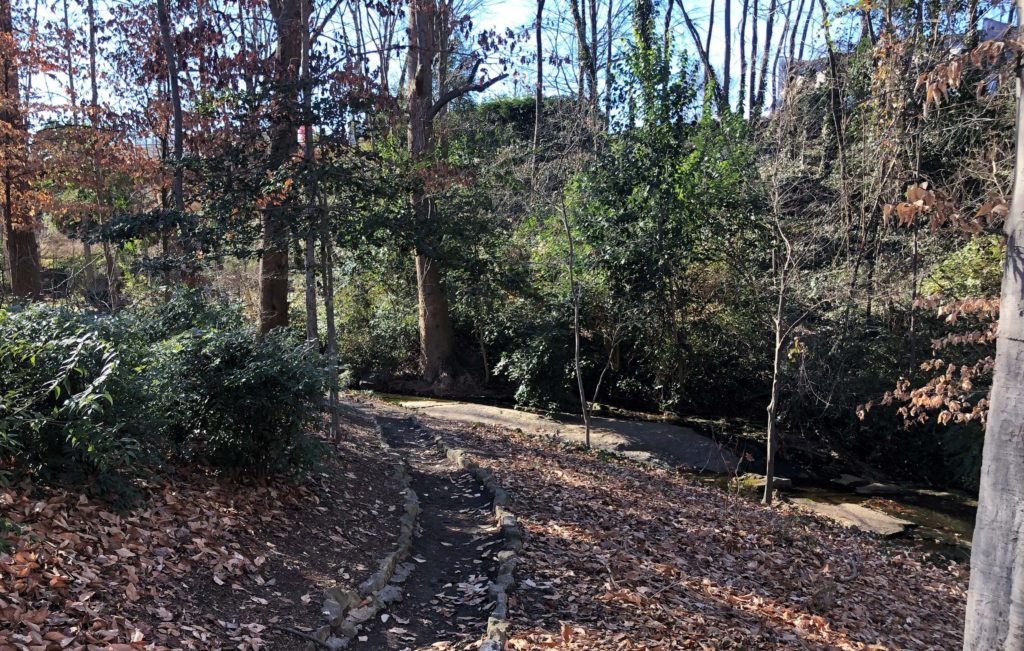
<point>346,610</point>
<point>512,534</point>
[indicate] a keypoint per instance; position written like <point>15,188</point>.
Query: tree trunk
<point>109,260</point>
<point>579,19</point>
<point>772,438</point>
<point>995,601</point>
<point>20,225</point>
<point>539,92</point>
<point>609,76</point>
<point>727,54</point>
<point>171,59</point>
<point>742,85</point>
<point>574,296</point>
<point>312,327</point>
<point>762,81</point>
<point>436,333</point>
<point>327,273</point>
<point>752,88</point>
<point>287,16</point>
<point>437,337</point>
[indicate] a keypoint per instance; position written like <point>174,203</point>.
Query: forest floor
<point>444,604</point>
<point>618,555</point>
<point>621,555</point>
<point>200,562</point>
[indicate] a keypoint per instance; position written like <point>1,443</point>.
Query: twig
<point>304,635</point>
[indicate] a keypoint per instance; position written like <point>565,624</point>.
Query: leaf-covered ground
<point>626,557</point>
<point>201,563</point>
<point>618,556</point>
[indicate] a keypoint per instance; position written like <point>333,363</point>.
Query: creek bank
<point>943,519</point>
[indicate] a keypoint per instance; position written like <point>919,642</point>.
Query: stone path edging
<point>345,610</point>
<point>512,534</point>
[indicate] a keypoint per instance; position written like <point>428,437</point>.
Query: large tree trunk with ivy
<point>287,16</point>
<point>437,337</point>
<point>995,603</point>
<point>436,333</point>
<point>20,225</point>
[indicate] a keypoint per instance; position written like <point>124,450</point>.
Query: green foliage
<point>233,400</point>
<point>974,269</point>
<point>56,382</point>
<point>103,396</point>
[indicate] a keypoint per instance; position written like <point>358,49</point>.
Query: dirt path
<point>640,440</point>
<point>627,556</point>
<point>445,602</point>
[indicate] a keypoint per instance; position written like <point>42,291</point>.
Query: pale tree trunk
<point>995,601</point>
<point>73,101</point>
<point>783,266</point>
<point>752,88</point>
<point>575,297</point>
<point>287,16</point>
<point>772,442</point>
<point>327,271</point>
<point>742,85</point>
<point>327,274</point>
<point>20,225</point>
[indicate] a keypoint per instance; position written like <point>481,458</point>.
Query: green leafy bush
<point>58,381</point>
<point>85,395</point>
<point>232,400</point>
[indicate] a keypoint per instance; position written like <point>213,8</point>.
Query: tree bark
<point>752,88</point>
<point>171,59</point>
<point>574,296</point>
<point>609,77</point>
<point>579,20</point>
<point>772,429</point>
<point>437,336</point>
<point>436,333</point>
<point>539,91</point>
<point>727,54</point>
<point>762,81</point>
<point>743,56</point>
<point>20,225</point>
<point>309,259</point>
<point>283,143</point>
<point>995,601</point>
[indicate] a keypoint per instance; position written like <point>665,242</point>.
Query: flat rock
<point>858,517</point>
<point>877,488</point>
<point>391,594</point>
<point>850,481</point>
<point>754,480</point>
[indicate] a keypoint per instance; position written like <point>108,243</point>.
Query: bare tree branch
<point>458,92</point>
<point>720,99</point>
